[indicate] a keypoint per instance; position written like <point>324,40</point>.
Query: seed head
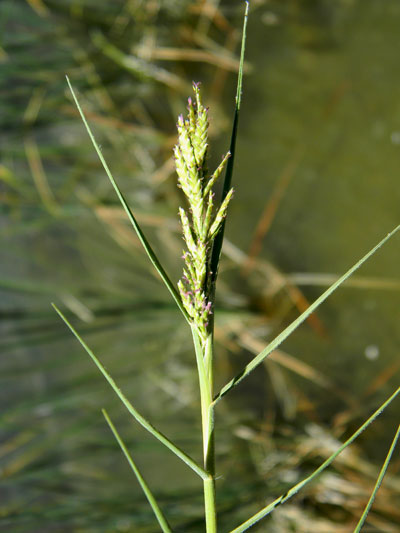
<point>201,225</point>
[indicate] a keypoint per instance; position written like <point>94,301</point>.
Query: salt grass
<point>203,225</point>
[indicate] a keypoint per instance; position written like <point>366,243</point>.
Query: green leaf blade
<point>146,245</point>
<point>258,359</point>
<point>149,495</point>
<point>138,417</point>
<point>295,489</point>
<point>217,247</point>
<point>378,482</point>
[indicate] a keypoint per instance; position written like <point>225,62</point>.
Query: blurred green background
<point>316,186</point>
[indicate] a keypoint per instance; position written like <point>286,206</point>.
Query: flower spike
<point>200,224</point>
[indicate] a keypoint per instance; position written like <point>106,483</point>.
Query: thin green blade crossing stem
<point>216,252</point>
<point>258,359</point>
<point>295,489</point>
<point>145,423</point>
<point>378,482</point>
<point>149,495</point>
<point>146,245</point>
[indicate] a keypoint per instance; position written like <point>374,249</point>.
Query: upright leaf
<point>216,251</point>
<point>146,245</point>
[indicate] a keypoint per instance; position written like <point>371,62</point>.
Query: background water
<point>319,144</point>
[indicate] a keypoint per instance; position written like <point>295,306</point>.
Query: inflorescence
<point>201,225</point>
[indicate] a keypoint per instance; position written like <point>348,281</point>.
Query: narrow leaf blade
<point>216,251</point>
<point>146,245</point>
<point>295,489</point>
<point>142,421</point>
<point>149,495</point>
<point>378,482</point>
<point>258,359</point>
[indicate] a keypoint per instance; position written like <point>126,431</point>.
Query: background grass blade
<point>216,252</point>
<point>153,258</point>
<point>295,489</point>
<point>296,323</point>
<point>378,482</point>
<point>149,495</point>
<point>145,423</point>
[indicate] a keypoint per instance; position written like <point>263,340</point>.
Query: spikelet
<point>219,217</point>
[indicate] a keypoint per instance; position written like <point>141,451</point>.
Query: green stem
<point>209,501</point>
<point>204,358</point>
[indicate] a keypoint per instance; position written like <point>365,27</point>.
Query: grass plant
<point>203,222</point>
